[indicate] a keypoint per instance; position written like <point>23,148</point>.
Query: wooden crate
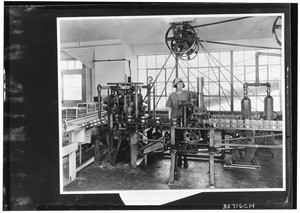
<point>90,107</point>
<point>64,113</point>
<point>71,113</point>
<point>81,112</point>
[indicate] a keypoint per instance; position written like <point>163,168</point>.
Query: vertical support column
<point>99,101</point>
<point>231,81</point>
<point>184,117</point>
<point>133,149</point>
<point>72,166</point>
<point>149,97</point>
<point>173,166</point>
<point>136,101</point>
<point>176,65</point>
<point>80,153</point>
<point>211,159</point>
<point>96,152</point>
<point>154,110</point>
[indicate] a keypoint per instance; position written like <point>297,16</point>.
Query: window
<point>223,86</point>
<point>72,87</point>
<point>73,83</point>
<point>70,65</point>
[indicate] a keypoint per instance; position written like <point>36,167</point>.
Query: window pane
<point>214,88</point>
<point>152,73</point>
<point>193,74</point>
<point>260,104</point>
<point>263,74</point>
<point>141,61</point>
<point>274,72</point>
<point>64,65</point>
<point>72,87</point>
<point>142,76</point>
<point>238,89</point>
<point>225,74</point>
<point>275,59</point>
<point>160,60</point>
<point>214,56</point>
<point>249,57</point>
<point>250,74</point>
<point>213,74</point>
<point>277,104</point>
<point>193,86</point>
<point>225,104</point>
<point>169,89</point>
<point>203,72</point>
<point>275,87</point>
<point>238,58</point>
<point>170,74</point>
<point>253,103</point>
<point>206,102</point>
<point>237,104</point>
<point>263,59</point>
<point>171,61</point>
<point>151,62</point>
<point>262,91</point>
<point>214,105</point>
<point>238,73</point>
<point>182,73</point>
<point>203,62</point>
<point>78,65</point>
<point>71,65</point>
<point>225,58</point>
<point>225,89</point>
<point>162,75</point>
<point>160,89</point>
<point>194,62</point>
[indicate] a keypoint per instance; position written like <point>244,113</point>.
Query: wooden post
<point>72,166</point>
<point>96,152</point>
<point>211,159</point>
<point>133,149</point>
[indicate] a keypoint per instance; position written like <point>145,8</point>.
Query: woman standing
<point>174,106</point>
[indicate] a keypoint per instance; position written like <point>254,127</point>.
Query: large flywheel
<point>182,40</point>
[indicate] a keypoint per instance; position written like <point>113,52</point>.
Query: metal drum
<point>269,107</point>
<point>246,108</point>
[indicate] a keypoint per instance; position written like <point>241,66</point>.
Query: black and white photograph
<point>159,108</point>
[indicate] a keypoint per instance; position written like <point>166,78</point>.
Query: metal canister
<point>268,104</point>
<point>247,123</point>
<point>246,108</point>
<point>234,123</point>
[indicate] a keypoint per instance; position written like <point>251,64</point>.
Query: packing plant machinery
<point>129,120</point>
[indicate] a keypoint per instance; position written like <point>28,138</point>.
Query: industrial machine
<point>131,123</point>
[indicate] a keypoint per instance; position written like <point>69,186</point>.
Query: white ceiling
<point>151,30</point>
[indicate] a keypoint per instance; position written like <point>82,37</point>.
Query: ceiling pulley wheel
<point>181,39</point>
<point>276,30</point>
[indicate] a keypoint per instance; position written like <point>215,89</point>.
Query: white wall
<point>105,72</point>
<point>130,55</point>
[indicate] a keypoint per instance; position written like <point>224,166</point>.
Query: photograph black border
<point>30,60</point>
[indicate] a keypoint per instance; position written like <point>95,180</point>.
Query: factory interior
<point>116,76</point>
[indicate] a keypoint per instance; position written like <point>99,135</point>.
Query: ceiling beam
<point>85,44</point>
